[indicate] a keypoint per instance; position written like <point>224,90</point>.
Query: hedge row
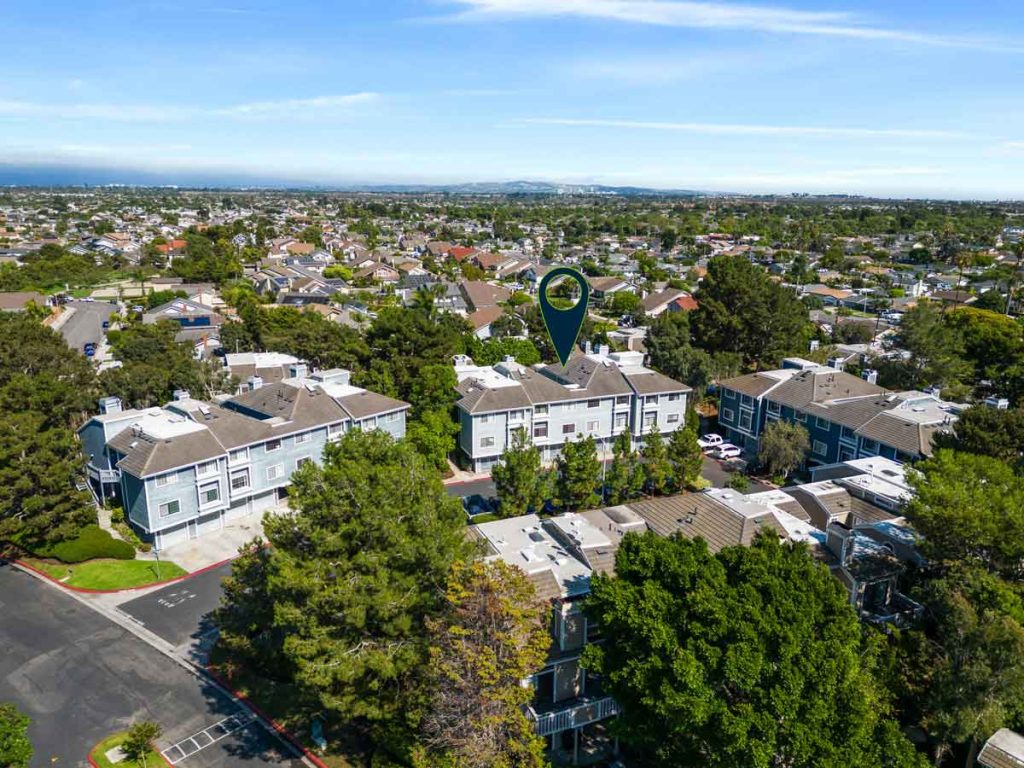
<point>92,542</point>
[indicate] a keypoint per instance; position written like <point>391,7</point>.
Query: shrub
<point>739,482</point>
<point>92,542</point>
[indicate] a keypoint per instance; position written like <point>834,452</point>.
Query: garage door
<point>261,504</point>
<point>239,508</point>
<point>208,525</point>
<point>171,536</point>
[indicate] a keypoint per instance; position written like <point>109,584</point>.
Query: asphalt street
<point>180,612</point>
<point>86,324</point>
<point>81,677</point>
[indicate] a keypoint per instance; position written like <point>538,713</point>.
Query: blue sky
<point>892,98</point>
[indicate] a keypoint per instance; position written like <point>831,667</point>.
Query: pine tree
<point>624,480</point>
<point>657,467</point>
<point>579,474</point>
<point>520,482</point>
<point>686,458</point>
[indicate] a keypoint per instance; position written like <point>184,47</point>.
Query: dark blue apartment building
<point>846,416</point>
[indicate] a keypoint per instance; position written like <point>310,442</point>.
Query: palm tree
<point>426,297</point>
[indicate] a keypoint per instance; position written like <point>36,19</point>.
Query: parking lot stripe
<point>221,729</point>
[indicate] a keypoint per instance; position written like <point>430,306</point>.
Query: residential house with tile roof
<point>182,470</point>
<point>600,394</point>
<point>846,416</point>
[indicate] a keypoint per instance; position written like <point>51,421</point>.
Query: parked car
<point>89,349</point>
<point>710,441</point>
<point>728,451</point>
<point>106,324</point>
<point>479,505</point>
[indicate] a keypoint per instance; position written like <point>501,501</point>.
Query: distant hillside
<point>70,175</point>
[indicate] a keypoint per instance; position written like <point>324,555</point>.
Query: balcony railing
<point>103,475</point>
<point>576,713</point>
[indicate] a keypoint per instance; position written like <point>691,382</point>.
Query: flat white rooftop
<point>259,359</point>
<point>159,424</point>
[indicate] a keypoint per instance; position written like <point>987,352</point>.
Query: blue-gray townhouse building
<point>846,416</point>
<point>183,470</point>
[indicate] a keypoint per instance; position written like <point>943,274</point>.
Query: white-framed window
<point>209,494</point>
<point>622,400</point>
<point>568,429</point>
<point>821,423</point>
<point>847,434</point>
<point>486,442</point>
<point>774,408</point>
<point>271,445</point>
<point>869,446</point>
<point>800,416</point>
<point>747,401</point>
<point>593,403</point>
<point>540,429</point>
<point>651,400</point>
<point>165,480</point>
<point>169,508</point>
<point>592,426</point>
<point>745,420</point>
<point>302,437</point>
<point>673,396</point>
<point>335,430</point>
<point>819,448</point>
<point>728,414</point>
<point>485,419</point>
<point>650,419</point>
<point>672,418</point>
<point>389,417</point>
<point>620,420</point>
<point>302,461</point>
<point>516,415</point>
<point>206,468</point>
<point>240,479</point>
<point>274,472</point>
<point>239,456</point>
<point>540,410</point>
<point>370,423</point>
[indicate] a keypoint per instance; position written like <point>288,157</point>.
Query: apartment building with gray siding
<point>183,470</point>
<point>599,395</point>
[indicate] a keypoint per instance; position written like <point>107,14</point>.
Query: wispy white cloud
<point>740,129</point>
<point>702,14</point>
<point>150,113</point>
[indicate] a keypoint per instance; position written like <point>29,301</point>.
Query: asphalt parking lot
<point>180,612</point>
<point>81,677</point>
<point>86,324</point>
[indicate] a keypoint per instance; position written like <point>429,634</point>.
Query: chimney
<point>298,370</point>
<point>181,394</point>
<point>255,382</point>
<point>110,404</point>
<point>603,350</point>
<point>870,375</point>
<point>837,363</point>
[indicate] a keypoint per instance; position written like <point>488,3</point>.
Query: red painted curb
<point>285,733</point>
<point>88,591</point>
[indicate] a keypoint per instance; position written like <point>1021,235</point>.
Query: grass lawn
<point>108,574</point>
<point>99,754</point>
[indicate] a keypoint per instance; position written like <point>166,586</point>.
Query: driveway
<point>86,324</point>
<point>180,613</point>
<point>81,677</point>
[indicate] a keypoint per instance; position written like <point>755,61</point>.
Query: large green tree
<point>354,573</point>
<point>41,466</point>
<point>989,432</point>
<point>521,483</point>
<point>578,474</point>
<point>783,447</point>
<point>656,465</point>
<point>15,748</point>
<point>492,636</point>
<point>969,509</point>
<point>686,458</point>
<point>624,479</point>
<point>742,310</point>
<point>752,657</point>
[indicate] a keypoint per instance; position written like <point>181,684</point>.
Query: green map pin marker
<point>564,324</point>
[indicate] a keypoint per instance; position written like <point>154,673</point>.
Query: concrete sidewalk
<point>216,547</point>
